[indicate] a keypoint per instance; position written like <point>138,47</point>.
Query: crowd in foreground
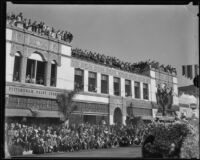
<point>58,138</point>
<point>114,62</point>
<point>39,28</point>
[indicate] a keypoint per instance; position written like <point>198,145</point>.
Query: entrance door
<point>118,116</point>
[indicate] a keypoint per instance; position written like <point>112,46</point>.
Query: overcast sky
<point>129,32</point>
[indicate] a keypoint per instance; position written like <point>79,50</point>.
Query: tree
<point>164,98</point>
<point>65,104</point>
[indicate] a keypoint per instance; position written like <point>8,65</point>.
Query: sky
<point>132,33</point>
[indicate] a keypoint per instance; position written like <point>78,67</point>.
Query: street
<point>132,151</point>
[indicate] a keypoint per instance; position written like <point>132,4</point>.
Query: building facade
<point>38,68</point>
<point>189,101</point>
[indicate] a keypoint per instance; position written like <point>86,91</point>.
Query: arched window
<point>53,74</point>
<point>35,71</point>
<point>16,71</point>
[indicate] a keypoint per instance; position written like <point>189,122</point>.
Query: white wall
<point>66,50</point>
<point>122,85</point>
<point>153,74</point>
<point>95,99</point>
<point>85,81</point>
<point>9,63</point>
<point>153,88</point>
<point>110,85</point>
<point>132,89</point>
<point>65,74</point>
<point>111,119</point>
<point>175,97</point>
<point>8,34</point>
<point>141,90</point>
<point>98,83</point>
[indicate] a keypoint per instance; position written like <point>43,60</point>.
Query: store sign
<point>108,71</point>
<point>30,92</point>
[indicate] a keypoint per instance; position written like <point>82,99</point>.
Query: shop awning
<point>27,113</point>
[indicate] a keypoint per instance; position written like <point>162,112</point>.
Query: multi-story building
<point>39,67</point>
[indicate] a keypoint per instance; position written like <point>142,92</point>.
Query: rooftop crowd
<point>41,138</point>
<point>114,62</point>
<point>38,27</point>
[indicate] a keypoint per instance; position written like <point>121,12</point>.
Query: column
<point>111,119</point>
<point>149,91</point>
<point>110,85</point>
<point>122,85</point>
<point>85,81</point>
<point>141,90</point>
<point>47,73</point>
<point>98,83</point>
<point>23,69</point>
<point>132,89</point>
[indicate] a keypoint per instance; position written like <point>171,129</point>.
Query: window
<point>117,90</point>
<point>145,91</point>
<point>92,82</point>
<point>53,74</point>
<point>35,70</point>
<point>79,79</point>
<point>137,89</point>
<point>104,84</point>
<point>127,88</point>
<point>17,64</point>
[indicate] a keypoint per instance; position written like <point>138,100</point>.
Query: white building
<point>39,67</point>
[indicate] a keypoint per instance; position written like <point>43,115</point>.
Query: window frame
<point>139,96</point>
<point>107,90</point>
<point>82,79</point>
<point>114,86</point>
<point>17,55</point>
<point>130,88</point>
<point>34,78</point>
<point>147,90</point>
<point>89,79</point>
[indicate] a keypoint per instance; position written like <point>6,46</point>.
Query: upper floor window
<point>17,63</point>
<point>117,90</point>
<point>92,82</point>
<point>35,71</point>
<point>145,91</point>
<point>137,89</point>
<point>79,79</point>
<point>127,88</point>
<point>104,84</point>
<point>53,74</point>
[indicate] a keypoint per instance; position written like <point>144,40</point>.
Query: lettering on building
<point>30,92</point>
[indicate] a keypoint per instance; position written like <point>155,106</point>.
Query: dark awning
<point>27,113</point>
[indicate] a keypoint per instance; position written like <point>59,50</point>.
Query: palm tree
<point>164,101</point>
<point>65,104</point>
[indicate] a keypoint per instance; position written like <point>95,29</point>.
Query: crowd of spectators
<point>114,62</point>
<point>40,28</point>
<point>43,138</point>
